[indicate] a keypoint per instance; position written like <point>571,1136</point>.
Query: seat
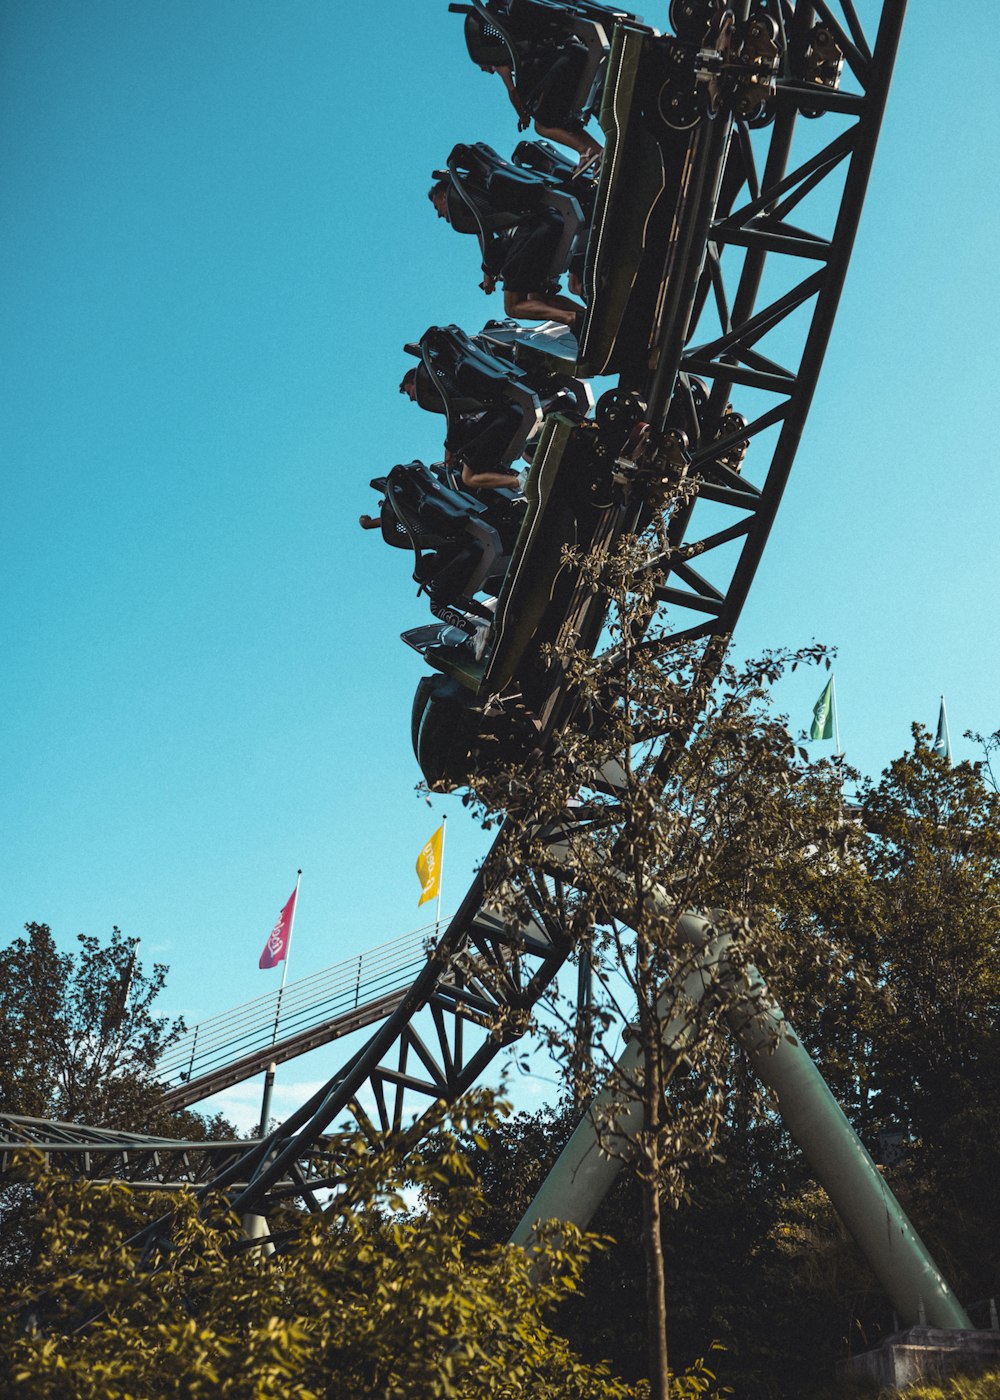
<point>546,160</point>
<point>460,374</point>
<point>548,348</point>
<point>460,377</point>
<point>460,545</point>
<point>488,195</point>
<point>546,355</point>
<point>510,32</point>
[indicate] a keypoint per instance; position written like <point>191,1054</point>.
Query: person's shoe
<point>588,165</point>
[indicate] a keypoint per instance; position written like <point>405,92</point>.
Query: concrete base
<point>922,1352</point>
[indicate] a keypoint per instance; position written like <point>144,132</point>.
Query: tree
<point>673,788</point>
<point>908,1037</point>
<point>81,1044</point>
<point>377,1298</point>
<point>933,1060</point>
<point>81,1031</point>
<point>934,859</point>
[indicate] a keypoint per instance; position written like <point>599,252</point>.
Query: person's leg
<point>485,450</point>
<point>452,573</point>
<point>585,145</point>
<point>565,304</point>
<point>537,306</point>
<point>554,117</point>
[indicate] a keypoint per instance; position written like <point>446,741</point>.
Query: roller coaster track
<point>145,1161</point>
<point>108,1154</point>
<point>751,305</point>
<point>762,323</point>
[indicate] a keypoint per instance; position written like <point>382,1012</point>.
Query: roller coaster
<point>709,243</point>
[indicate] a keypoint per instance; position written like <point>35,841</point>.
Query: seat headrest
<point>487,45</point>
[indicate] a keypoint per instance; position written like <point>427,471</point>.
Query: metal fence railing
<point>300,1006</point>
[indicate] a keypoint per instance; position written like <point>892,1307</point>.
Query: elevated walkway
<point>237,1044</point>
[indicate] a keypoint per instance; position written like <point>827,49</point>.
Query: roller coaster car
<point>459,375</point>
<point>461,545</point>
<point>453,738</point>
<point>521,33</point>
<point>667,154</point>
<point>488,195</point>
<point>582,493</point>
<point>558,171</point>
<point>506,697</point>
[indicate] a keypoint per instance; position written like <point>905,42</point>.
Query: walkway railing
<point>282,1024</point>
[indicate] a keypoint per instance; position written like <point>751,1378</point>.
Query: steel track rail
<point>813,266</point>
<point>107,1153</point>
<point>438,1041</point>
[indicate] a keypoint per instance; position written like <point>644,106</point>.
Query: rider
<point>545,87</point>
<point>461,549</point>
<point>476,441</point>
<point>519,257</point>
<point>549,69</point>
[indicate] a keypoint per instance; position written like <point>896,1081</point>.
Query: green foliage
<point>81,1043</point>
<point>675,788</point>
<point>80,1032</point>
<point>934,860</point>
<point>882,940</point>
<point>909,1039</point>
<point>957,1388</point>
<point>375,1299</point>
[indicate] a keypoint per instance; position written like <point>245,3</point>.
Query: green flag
<point>822,725</point>
<point>942,744</point>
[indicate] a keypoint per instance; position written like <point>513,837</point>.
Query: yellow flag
<point>429,867</point>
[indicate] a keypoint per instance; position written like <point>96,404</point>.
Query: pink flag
<point>276,947</point>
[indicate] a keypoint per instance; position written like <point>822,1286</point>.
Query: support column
<point>585,1171</point>
<point>255,1227</point>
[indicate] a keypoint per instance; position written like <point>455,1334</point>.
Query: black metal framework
<point>773,295</point>
<point>760,323</point>
<point>756,318</point>
<point>108,1154</point>
<point>434,1046</point>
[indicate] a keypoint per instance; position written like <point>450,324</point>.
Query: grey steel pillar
<point>255,1227</point>
<point>265,1107</point>
<point>586,1168</point>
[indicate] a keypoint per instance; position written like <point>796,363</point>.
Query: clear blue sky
<point>215,239</point>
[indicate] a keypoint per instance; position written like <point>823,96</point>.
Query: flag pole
<point>265,1107</point>
<point>444,828</point>
<point>287,957</point>
<point>836,738</point>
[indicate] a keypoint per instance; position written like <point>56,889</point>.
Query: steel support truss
<point>766,306</point>
<point>146,1162</point>
<point>437,1043</point>
<point>761,311</point>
